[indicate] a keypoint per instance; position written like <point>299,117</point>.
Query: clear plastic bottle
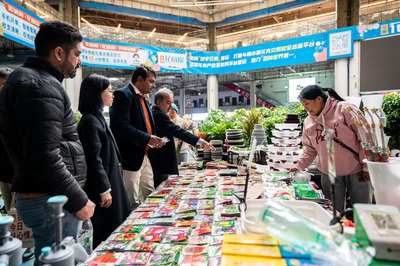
<point>85,236</point>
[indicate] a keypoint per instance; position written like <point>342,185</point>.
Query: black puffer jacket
<point>35,118</point>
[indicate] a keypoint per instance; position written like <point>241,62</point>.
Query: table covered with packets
<point>185,221</point>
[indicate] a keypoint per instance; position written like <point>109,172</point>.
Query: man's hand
<point>207,146</point>
<point>106,200</point>
<point>155,142</point>
<point>86,212</point>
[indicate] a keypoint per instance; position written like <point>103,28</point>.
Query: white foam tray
<point>310,210</point>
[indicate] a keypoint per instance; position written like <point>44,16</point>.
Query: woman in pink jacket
<point>326,110</point>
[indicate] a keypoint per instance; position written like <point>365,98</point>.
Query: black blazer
<point>128,124</point>
<point>104,172</point>
<point>165,157</point>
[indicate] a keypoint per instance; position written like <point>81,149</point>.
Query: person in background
<point>36,118</point>
<point>4,73</point>
<point>132,123</point>
<point>104,185</point>
<point>165,158</point>
<point>183,149</point>
<point>326,110</point>
<point>6,168</point>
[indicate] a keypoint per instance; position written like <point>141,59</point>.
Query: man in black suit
<point>166,161</point>
<point>132,123</point>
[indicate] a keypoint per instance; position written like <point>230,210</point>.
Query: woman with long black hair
<point>326,110</point>
<point>104,183</point>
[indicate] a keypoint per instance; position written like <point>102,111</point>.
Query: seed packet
<point>201,231</point>
<point>172,201</point>
<point>146,246</point>
<point>153,234</point>
<point>194,250</point>
<point>150,209</point>
<point>230,210</point>
<point>161,221</point>
<point>214,261</point>
<point>188,196</point>
<point>186,208</point>
<point>217,240</point>
<point>123,236</point>
<point>203,218</point>
<point>205,212</point>
<point>148,205</point>
<point>104,257</point>
<point>199,240</point>
<point>183,223</point>
<point>136,221</point>
<point>164,259</point>
<point>160,194</point>
<point>154,200</point>
<point>136,215</point>
<point>167,208</point>
<point>226,224</point>
<point>161,214</point>
<point>135,258</point>
<point>114,245</point>
<point>184,216</point>
<point>129,228</point>
<point>191,202</point>
<point>168,248</point>
<point>214,251</point>
<point>193,260</point>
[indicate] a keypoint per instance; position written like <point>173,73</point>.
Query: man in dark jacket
<point>132,123</point>
<point>36,119</point>
<point>165,158</point>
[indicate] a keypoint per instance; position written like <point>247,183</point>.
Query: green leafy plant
<point>78,116</point>
<point>250,119</point>
<point>391,108</point>
<point>218,122</point>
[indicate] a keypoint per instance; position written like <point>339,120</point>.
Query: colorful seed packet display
<point>153,234</point>
<point>161,221</point>
<point>215,251</point>
<point>143,246</point>
<point>164,259</point>
<point>113,245</point>
<point>129,229</point>
<point>135,258</point>
<point>138,215</point>
<point>104,257</point>
<point>168,248</point>
<point>194,250</point>
<point>199,240</point>
<point>194,260</point>
<point>123,236</point>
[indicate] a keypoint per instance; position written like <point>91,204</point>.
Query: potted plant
<point>391,108</point>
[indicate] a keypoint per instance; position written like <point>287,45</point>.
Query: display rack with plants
<point>391,109</point>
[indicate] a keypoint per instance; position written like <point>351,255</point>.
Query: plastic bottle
<point>85,236</point>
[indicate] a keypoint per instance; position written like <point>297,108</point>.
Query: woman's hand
<point>365,176</point>
<point>293,170</point>
<point>106,200</point>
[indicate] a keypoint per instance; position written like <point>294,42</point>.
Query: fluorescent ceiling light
<point>87,22</point>
<point>151,34</point>
<point>41,12</point>
<point>181,38</point>
<point>119,26</point>
<point>212,3</point>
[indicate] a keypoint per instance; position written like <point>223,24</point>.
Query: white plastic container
<point>310,210</point>
<point>287,126</point>
<point>285,134</point>
<point>385,178</point>
<point>286,141</point>
<point>275,149</point>
<point>289,158</point>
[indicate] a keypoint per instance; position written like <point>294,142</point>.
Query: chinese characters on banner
<point>18,24</point>
<point>21,25</point>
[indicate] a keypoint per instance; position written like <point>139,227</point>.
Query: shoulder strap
<point>343,145</point>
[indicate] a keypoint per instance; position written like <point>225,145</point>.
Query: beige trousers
<point>139,184</point>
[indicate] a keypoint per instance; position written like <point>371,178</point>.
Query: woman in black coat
<point>104,184</point>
